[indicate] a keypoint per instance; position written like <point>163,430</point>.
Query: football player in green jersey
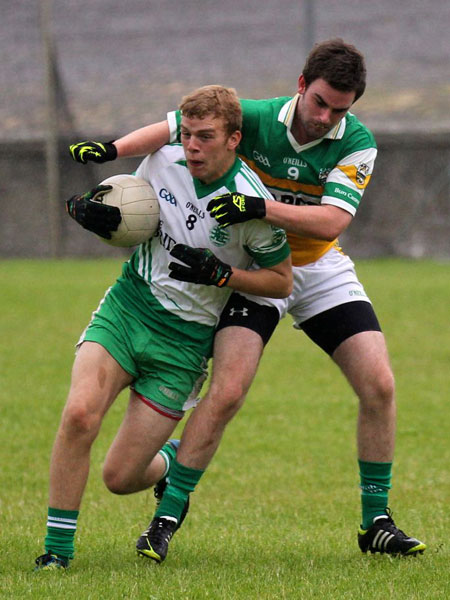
<point>153,331</point>
<point>316,158</point>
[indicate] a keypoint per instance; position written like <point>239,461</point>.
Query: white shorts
<point>319,286</point>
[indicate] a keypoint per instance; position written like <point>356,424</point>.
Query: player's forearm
<point>145,140</point>
<point>324,222</point>
<point>263,282</point>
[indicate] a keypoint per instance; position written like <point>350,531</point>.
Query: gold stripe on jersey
<point>284,184</point>
<point>307,250</point>
<point>352,173</point>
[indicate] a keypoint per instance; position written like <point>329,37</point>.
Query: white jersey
<point>184,219</point>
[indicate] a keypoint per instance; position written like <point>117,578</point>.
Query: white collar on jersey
<point>286,116</point>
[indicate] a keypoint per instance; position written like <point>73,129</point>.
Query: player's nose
<point>325,116</point>
<point>193,144</point>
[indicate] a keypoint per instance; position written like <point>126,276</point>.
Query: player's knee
<point>227,399</point>
<point>380,391</point>
<point>78,420</point>
<point>115,480</point>
<point>385,387</point>
<point>121,475</point>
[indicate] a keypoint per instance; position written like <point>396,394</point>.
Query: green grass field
<point>277,513</point>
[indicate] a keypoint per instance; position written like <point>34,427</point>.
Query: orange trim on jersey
<point>308,250</point>
<point>284,184</point>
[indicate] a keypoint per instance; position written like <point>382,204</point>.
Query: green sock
<point>168,452</point>
<point>182,481</point>
<point>61,527</point>
<point>375,484</point>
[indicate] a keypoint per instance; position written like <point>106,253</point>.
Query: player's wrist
<point>259,207</point>
<point>224,274</point>
<point>111,150</point>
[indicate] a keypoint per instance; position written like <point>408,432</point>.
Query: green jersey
<point>334,169</point>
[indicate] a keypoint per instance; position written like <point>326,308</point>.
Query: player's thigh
<point>260,315</point>
<point>364,360</point>
<point>142,433</point>
<point>330,328</point>
<point>236,355</point>
<point>245,326</point>
<point>97,379</point>
<point>329,302</point>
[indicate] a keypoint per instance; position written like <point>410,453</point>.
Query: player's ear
<point>301,84</point>
<point>234,140</point>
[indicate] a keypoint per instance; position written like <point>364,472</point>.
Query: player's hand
<point>98,152</point>
<point>89,211</point>
<point>203,266</point>
<point>229,209</point>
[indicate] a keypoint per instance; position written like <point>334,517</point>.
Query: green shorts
<point>168,367</point>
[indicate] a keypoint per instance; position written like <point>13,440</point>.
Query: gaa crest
<point>323,174</point>
<point>362,171</point>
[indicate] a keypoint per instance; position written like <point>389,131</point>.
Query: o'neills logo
<point>296,162</point>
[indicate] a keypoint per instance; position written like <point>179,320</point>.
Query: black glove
<point>204,267</point>
<point>229,209</point>
<point>98,152</point>
<point>90,213</point>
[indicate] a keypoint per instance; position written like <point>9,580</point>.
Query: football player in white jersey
<point>316,158</point>
<point>153,330</point>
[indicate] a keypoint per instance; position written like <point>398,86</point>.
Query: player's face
<point>319,109</point>
<point>209,149</point>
